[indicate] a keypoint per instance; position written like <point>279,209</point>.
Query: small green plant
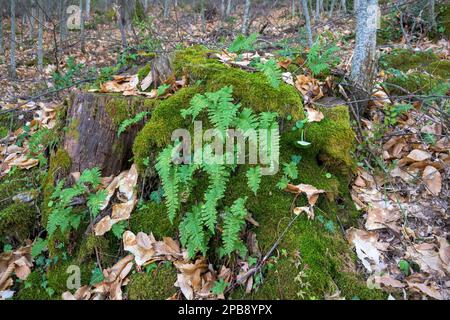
<point>272,71</point>
<point>129,122</point>
<point>219,287</point>
<point>162,89</point>
<point>66,79</point>
<point>393,112</point>
<point>243,43</point>
<point>321,57</point>
<point>199,224</point>
<point>62,215</point>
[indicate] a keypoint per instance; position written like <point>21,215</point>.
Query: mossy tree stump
<point>92,139</point>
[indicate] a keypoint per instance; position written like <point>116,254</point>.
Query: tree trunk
<point>364,56</point>
<point>122,23</point>
<point>343,6</point>
<point>229,5</point>
<point>40,50</point>
<point>2,49</point>
<point>307,22</point>
<point>91,139</point>
<point>166,8</point>
<point>12,54</point>
<point>246,16</point>
<point>433,23</point>
<point>81,26</point>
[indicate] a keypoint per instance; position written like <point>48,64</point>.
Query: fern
<point>129,122</point>
<point>243,43</point>
<point>198,103</point>
<point>221,109</point>
<point>90,176</point>
<point>169,180</point>
<point>218,178</point>
<point>95,202</point>
<point>272,72</point>
<point>254,178</point>
<point>192,235</point>
<point>290,170</point>
<point>233,222</point>
<point>321,58</point>
<point>246,120</point>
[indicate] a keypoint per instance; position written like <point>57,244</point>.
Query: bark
<point>364,56</point>
<point>40,50</point>
<point>81,26</point>
<point>166,8</point>
<point>432,6</point>
<point>343,6</point>
<point>2,49</point>
<point>92,141</point>
<point>330,13</point>
<point>12,54</point>
<point>307,22</point>
<point>229,6</point>
<point>122,22</point>
<point>246,16</point>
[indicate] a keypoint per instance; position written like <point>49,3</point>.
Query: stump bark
<point>91,138</point>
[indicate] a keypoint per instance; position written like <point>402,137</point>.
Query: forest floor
<point>401,185</point>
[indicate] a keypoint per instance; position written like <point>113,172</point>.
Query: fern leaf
<point>254,178</point>
<point>90,176</point>
<point>272,71</point>
<point>95,202</point>
<point>243,43</point>
<point>233,222</point>
<point>129,122</point>
<point>290,170</point>
<point>198,103</point>
<point>192,235</point>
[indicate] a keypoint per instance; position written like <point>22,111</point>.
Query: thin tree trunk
<point>40,50</point>
<point>122,23</point>
<point>307,22</point>
<point>2,49</point>
<point>343,6</point>
<point>12,54</point>
<point>81,26</point>
<point>246,16</point>
<point>330,13</point>
<point>202,15</point>
<point>293,9</point>
<point>432,5</point>
<point>229,5</point>
<point>88,9</point>
<point>166,8</point>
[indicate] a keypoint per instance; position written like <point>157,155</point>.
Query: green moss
<point>158,130</point>
<point>156,285</point>
<point>15,182</point>
<point>16,222</point>
<point>55,279</point>
<point>144,71</point>
<point>121,108</point>
<point>390,30</point>
<point>3,131</point>
<point>60,163</point>
<point>422,71</point>
<point>152,217</point>
<point>252,90</point>
<point>72,129</point>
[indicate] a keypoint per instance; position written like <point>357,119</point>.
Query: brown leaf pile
<point>125,183</point>
<point>17,262</point>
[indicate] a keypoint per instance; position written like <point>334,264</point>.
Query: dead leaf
<point>432,179</point>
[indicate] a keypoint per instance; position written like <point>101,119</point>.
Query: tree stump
<point>91,139</point>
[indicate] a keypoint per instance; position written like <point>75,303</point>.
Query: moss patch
<point>16,222</point>
<point>152,217</point>
<point>156,285</point>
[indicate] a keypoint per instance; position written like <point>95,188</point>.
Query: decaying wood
<point>91,139</point>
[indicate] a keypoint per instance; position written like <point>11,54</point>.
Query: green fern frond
<point>246,120</point>
<point>243,43</point>
<point>90,176</point>
<point>192,235</point>
<point>272,71</point>
<point>169,180</point>
<point>290,170</point>
<point>254,178</point>
<point>129,122</point>
<point>95,202</point>
<point>234,220</point>
<point>198,103</point>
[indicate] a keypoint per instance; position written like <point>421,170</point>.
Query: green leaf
<point>129,122</point>
<point>119,228</point>
<point>243,43</point>
<point>96,201</point>
<point>290,170</point>
<point>283,183</point>
<point>162,89</point>
<point>404,267</point>
<point>254,178</point>
<point>219,287</point>
<point>272,71</point>
<point>96,276</point>
<point>7,248</point>
<point>38,247</point>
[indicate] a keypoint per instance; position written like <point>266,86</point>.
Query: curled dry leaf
<point>428,257</point>
<point>430,290</point>
<point>314,115</point>
<point>146,249</point>
<point>367,248</point>
<point>432,179</point>
<point>418,155</point>
<point>17,262</point>
<point>309,88</point>
<point>312,193</point>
